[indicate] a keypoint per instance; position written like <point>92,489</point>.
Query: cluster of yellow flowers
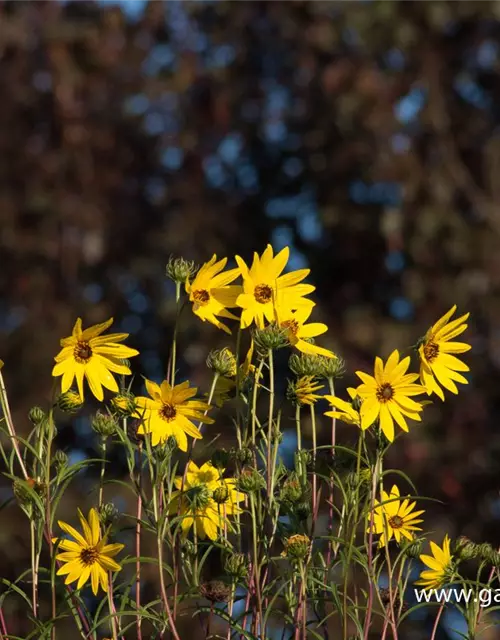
<point>266,296</point>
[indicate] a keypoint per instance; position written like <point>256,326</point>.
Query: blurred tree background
<point>364,135</point>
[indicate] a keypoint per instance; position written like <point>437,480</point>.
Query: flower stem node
<point>70,402</point>
<point>297,547</point>
<point>250,480</point>
<point>180,270</point>
<point>222,361</point>
<point>104,424</point>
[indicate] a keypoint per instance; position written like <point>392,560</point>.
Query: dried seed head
<point>215,591</point>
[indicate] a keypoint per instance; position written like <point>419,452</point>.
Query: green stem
<point>254,401</point>
<point>270,426</point>
<point>173,358</point>
<point>10,425</point>
<point>256,565</point>
<point>103,468</point>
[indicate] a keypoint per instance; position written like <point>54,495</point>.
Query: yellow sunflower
<point>93,356</point>
<point>265,289</point>
<point>297,332</point>
<point>170,412</point>
<point>437,364</point>
<point>206,499</point>
<point>303,390</point>
<point>393,517</point>
<point>88,555</point>
<point>343,411</point>
<point>386,395</point>
<point>440,566</point>
<point>210,294</point>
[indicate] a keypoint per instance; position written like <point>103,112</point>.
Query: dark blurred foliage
<point>362,134</point>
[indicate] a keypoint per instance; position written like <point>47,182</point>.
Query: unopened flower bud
<point>236,565</point>
<point>108,514</point>
<point>291,491</point>
<point>70,402</point>
<point>414,549</point>
<point>305,365</point>
<point>250,480</point>
<point>104,424</point>
<point>271,337</point>
<point>180,270</point>
<point>124,404</point>
<point>297,547</point>
<point>465,549</point>
<point>60,459</point>
<point>222,361</point>
<point>221,494</point>
<point>243,456</point>
<point>332,368</point>
<point>37,416</point>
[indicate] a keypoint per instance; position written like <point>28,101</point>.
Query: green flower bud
<point>108,514</point>
<point>221,494</point>
<point>104,424</point>
<point>243,456</point>
<point>222,361</point>
<point>60,459</point>
<point>297,547</point>
<point>414,549</point>
<point>271,337</point>
<point>465,549</point>
<point>37,416</point>
<point>70,402</point>
<point>250,480</point>
<point>305,365</point>
<point>235,565</point>
<point>332,368</point>
<point>124,404</point>
<point>215,591</point>
<point>303,510</point>
<point>198,497</point>
<point>180,270</point>
<point>291,491</point>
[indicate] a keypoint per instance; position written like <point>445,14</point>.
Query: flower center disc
<point>396,522</point>
<point>82,352</point>
<point>263,293</point>
<point>89,556</point>
<point>201,296</point>
<point>431,351</point>
<point>168,412</point>
<point>385,392</point>
<point>291,325</point>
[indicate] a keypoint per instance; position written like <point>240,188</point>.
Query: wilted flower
<point>297,547</point>
<point>302,391</point>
